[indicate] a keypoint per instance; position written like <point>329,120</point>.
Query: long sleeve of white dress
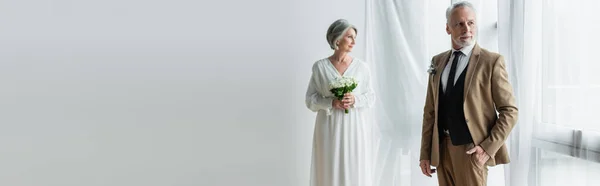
<point>315,101</point>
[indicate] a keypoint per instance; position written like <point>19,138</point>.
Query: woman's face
<point>346,43</point>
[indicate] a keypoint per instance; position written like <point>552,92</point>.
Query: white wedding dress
<point>342,142</point>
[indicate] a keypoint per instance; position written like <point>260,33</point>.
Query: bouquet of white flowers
<point>341,86</point>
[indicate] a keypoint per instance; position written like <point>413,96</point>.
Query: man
<point>462,132</point>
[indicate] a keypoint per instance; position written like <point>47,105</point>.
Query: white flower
<point>342,82</point>
<point>431,69</point>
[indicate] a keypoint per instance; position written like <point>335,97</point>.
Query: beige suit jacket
<point>487,90</point>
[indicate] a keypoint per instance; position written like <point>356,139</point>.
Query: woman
<point>341,145</point>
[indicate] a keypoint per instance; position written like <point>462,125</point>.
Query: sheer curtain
<point>402,36</point>
<point>516,46</point>
<point>399,47</point>
<point>551,45</point>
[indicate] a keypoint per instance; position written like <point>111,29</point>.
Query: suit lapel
<point>441,64</point>
<point>473,62</point>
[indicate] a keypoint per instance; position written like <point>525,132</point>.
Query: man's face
<point>462,27</point>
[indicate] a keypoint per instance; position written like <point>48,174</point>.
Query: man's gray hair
<point>336,30</point>
<point>456,5</point>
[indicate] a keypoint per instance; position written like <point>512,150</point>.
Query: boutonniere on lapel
<point>431,69</point>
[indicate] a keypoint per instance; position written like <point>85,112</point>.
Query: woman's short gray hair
<point>336,30</point>
<point>458,5</point>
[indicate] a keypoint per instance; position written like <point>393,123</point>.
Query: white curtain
<point>401,38</point>
<point>524,77</point>
<point>550,48</point>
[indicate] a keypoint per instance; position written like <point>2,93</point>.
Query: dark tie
<point>450,82</point>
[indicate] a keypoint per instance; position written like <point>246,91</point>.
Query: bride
<point>341,145</point>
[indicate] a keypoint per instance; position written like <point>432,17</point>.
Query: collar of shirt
<point>465,50</point>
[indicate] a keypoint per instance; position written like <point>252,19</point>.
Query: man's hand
<point>480,155</point>
<point>426,168</point>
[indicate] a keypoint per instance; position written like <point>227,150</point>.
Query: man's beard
<point>462,43</point>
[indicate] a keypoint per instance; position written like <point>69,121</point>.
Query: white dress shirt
<point>463,60</point>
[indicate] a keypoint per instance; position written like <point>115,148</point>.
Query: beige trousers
<point>457,168</point>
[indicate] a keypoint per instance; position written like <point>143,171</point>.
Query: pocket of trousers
<point>474,161</point>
